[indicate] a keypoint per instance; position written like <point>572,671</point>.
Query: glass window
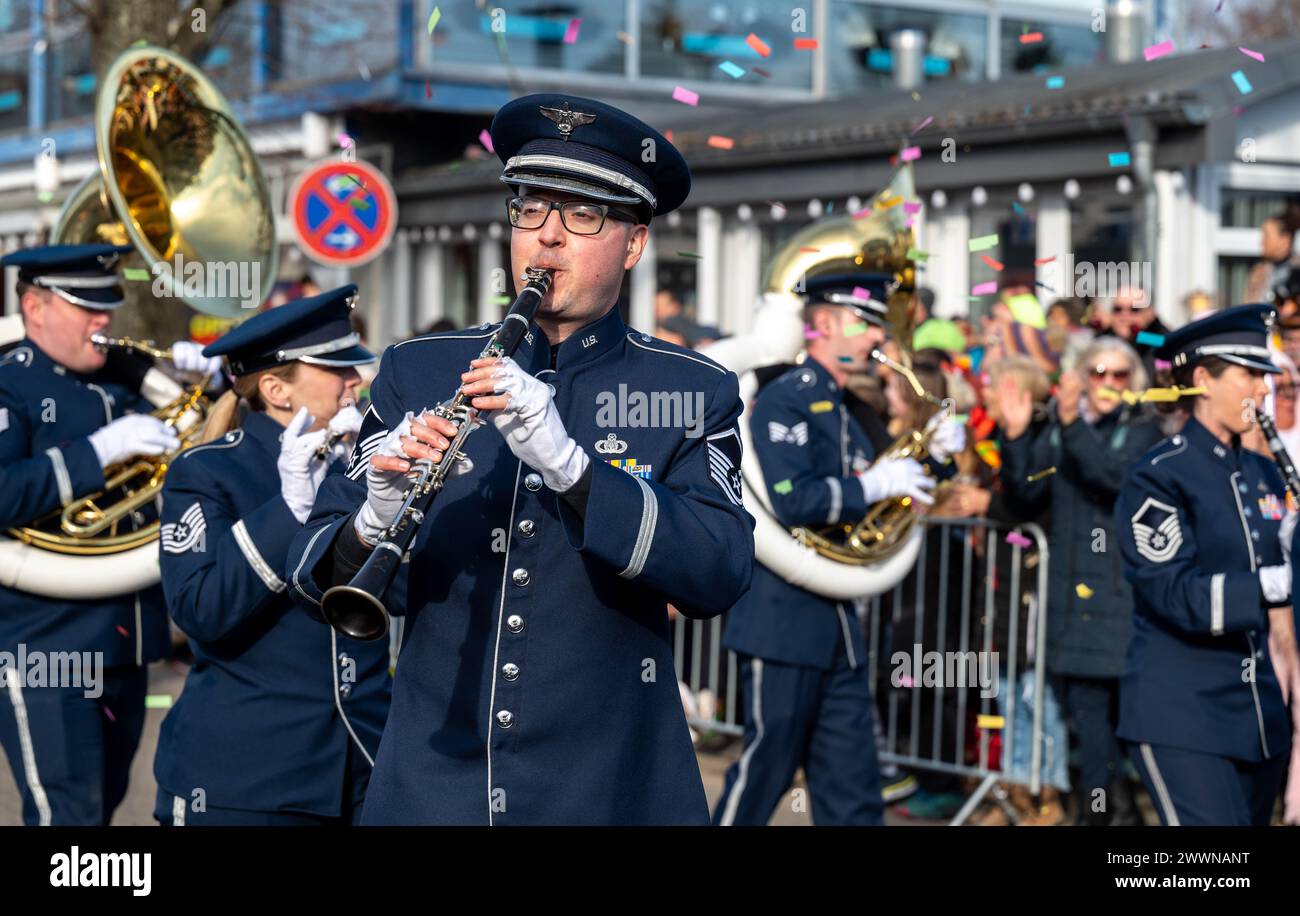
<point>15,16</point>
<point>13,91</point>
<point>71,80</point>
<point>859,53</point>
<point>528,35</point>
<point>689,39</point>
<point>1063,46</point>
<point>320,42</point>
<point>1247,209</point>
<point>1234,277</point>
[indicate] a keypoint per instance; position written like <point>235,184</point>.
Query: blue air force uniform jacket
<point>810,450</point>
<point>536,681</point>
<point>46,461</point>
<point>1196,520</point>
<point>274,699</point>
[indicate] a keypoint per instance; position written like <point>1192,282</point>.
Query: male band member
<point>62,421</point>
<point>536,683</point>
<point>804,677</point>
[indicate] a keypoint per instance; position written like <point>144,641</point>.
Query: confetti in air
<point>685,96</point>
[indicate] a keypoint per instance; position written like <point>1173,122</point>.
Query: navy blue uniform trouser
<point>1193,789</point>
<point>177,811</point>
<point>1093,708</point>
<point>820,720</point>
<point>71,754</point>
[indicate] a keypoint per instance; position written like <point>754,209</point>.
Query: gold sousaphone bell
<point>177,177</point>
<point>876,243</point>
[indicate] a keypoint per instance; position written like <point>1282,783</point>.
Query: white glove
<point>1286,533</point>
<point>347,423</point>
<point>949,437</point>
<point>1275,581</point>
<point>301,472</point>
<point>134,434</point>
<point>187,356</point>
<point>386,490</point>
<point>897,477</point>
<point>533,429</point>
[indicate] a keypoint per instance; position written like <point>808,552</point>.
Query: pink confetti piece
<point>571,33</point>
<point>1019,540</point>
<point>861,292</point>
<point>912,206</point>
<point>121,629</point>
<point>1255,54</point>
<point>486,139</point>
<point>905,680</point>
<point>344,140</point>
<point>1164,364</point>
<point>1160,50</point>
<point>859,214</point>
<point>922,124</point>
<point>907,223</point>
<point>911,154</point>
<point>810,334</point>
<point>984,289</point>
<point>108,712</point>
<point>685,96</point>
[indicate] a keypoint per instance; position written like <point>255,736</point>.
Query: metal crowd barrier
<point>714,685</point>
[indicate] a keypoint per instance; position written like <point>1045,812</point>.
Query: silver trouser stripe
<point>30,773</point>
<point>178,811</point>
<point>646,534</point>
<point>1162,794</point>
<point>254,558</point>
<point>61,477</point>
<point>733,800</point>
<point>1216,604</point>
<point>837,500</point>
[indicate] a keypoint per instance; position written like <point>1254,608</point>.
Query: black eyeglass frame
<point>606,211</point>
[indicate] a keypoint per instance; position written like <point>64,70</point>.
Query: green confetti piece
<point>500,300</point>
<point>984,242</point>
<point>916,254</point>
<point>783,487</point>
<point>433,18</point>
<point>135,273</point>
<point>158,701</point>
<point>854,330</point>
<point>690,254</point>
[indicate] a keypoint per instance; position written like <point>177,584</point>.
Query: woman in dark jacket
<point>1091,441</point>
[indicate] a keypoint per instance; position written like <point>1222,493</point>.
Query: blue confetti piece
<point>1243,84</point>
<point>1146,337</point>
<point>1019,209</point>
<point>1056,82</point>
<point>731,69</point>
<point>1118,160</point>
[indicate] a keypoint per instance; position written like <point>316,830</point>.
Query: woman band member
<point>280,718</point>
<point>1212,661</point>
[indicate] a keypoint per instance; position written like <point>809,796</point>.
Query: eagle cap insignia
<point>566,119</point>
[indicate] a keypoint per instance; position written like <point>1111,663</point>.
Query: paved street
<point>164,679</point>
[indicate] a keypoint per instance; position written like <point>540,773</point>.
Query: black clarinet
<point>1284,463</point>
<point>357,609</point>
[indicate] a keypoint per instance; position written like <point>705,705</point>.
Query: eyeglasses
<point>578,216</point>
<point>1119,375</point>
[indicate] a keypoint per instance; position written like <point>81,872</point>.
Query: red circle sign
<point>344,213</point>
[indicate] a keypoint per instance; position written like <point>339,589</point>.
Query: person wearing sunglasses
<point>1092,438</point>
<point>1131,312</point>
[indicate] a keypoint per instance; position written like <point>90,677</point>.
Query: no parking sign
<point>344,213</point>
